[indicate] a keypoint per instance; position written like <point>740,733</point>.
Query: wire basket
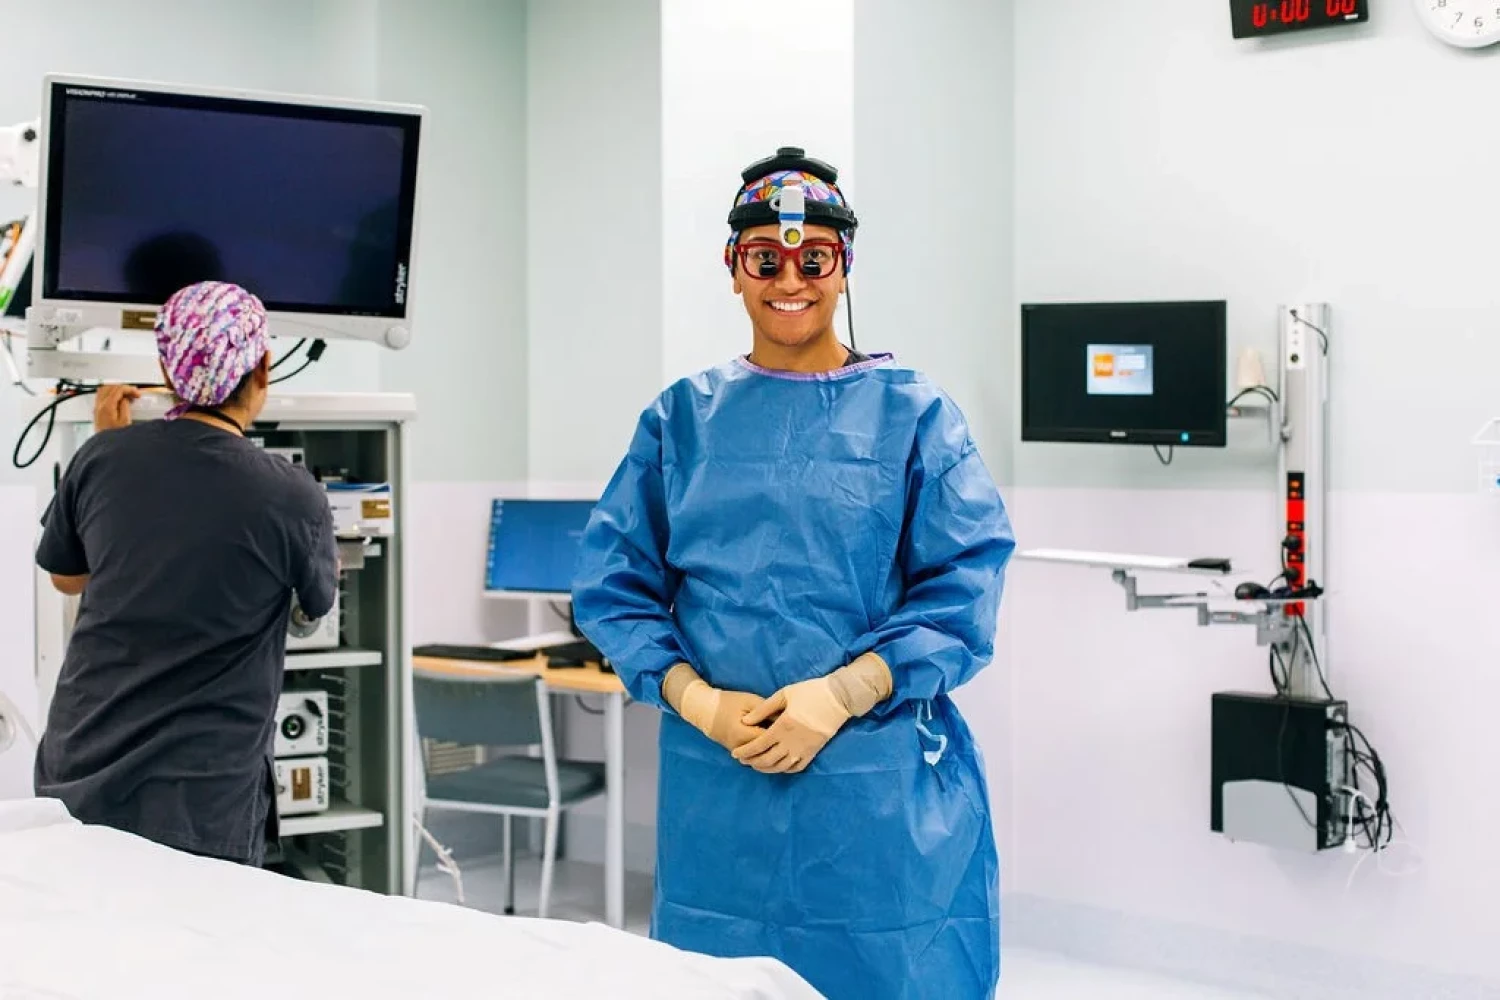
<point>1487,442</point>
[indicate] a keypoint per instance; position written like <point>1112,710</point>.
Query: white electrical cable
<point>16,378</point>
<point>445,859</point>
<point>1351,846</point>
<point>12,720</point>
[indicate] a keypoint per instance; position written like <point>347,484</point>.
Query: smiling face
<point>791,309</point>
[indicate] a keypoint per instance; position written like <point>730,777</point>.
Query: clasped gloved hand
<point>716,713</point>
<point>811,713</point>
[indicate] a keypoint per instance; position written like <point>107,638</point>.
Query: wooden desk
<point>573,680</point>
<point>576,680</point>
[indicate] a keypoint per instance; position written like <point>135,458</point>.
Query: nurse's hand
<point>714,712</point>
<point>810,713</point>
<point>728,727</point>
<point>112,406</point>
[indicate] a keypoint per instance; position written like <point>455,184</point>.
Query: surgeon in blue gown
<point>799,560</point>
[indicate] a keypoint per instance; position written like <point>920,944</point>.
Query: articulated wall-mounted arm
<point>1279,613</point>
<point>19,157</point>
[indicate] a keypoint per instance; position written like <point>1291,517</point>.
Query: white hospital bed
<point>89,912</point>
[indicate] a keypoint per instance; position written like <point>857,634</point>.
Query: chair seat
<point>517,781</point>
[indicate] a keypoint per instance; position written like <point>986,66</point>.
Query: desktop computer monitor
<point>533,547</point>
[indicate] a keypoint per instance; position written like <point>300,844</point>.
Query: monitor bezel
<point>1215,436</point>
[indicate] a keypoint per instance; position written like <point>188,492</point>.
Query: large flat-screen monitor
<point>310,203</point>
<point>1124,372</point>
<point>534,544</point>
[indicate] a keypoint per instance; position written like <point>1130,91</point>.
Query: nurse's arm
<point>958,544</point>
<point>72,586</point>
<point>60,551</point>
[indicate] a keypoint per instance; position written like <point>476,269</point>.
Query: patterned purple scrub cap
<point>209,336</point>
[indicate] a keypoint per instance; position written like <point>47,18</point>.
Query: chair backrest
<point>478,711</point>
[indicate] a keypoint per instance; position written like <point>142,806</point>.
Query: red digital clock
<point>1254,18</point>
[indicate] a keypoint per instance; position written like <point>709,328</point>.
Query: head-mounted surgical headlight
<point>791,191</point>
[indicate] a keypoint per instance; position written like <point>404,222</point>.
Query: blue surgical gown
<point>766,528</point>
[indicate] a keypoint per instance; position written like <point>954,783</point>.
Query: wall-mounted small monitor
<point>310,203</point>
<point>1124,373</point>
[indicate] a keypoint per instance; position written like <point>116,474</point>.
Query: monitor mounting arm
<point>1272,625</point>
<point>20,160</point>
<point>1278,614</point>
<point>48,330</point>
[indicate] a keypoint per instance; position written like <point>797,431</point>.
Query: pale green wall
<point>594,240</point>
<point>934,154</point>
<point>466,61</point>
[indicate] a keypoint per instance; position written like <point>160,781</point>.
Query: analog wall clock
<point>1469,24</point>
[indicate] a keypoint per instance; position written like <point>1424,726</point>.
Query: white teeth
<point>790,307</point>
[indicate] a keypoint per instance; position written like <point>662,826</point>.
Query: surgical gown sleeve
<point>953,555</point>
<point>623,590</point>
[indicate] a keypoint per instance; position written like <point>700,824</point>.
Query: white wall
<point>17,640</point>
<point>932,281</point>
<point>594,300</point>
<point>465,60</point>
<point>594,233</point>
<point>934,136</point>
<point>1156,157</point>
<point>1159,157</point>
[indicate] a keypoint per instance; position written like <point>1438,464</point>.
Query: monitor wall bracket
<point>48,356</point>
<point>1302,519</point>
<point>1272,624</point>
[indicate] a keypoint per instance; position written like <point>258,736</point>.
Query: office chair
<point>510,713</point>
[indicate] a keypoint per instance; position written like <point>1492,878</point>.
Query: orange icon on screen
<point>1104,365</point>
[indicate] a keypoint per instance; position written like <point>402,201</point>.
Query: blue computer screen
<point>534,544</point>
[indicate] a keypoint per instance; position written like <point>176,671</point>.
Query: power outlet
<point>1296,345</point>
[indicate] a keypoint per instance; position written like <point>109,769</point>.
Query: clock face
<point>1470,24</point>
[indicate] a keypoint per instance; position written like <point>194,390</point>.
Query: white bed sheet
<point>89,912</point>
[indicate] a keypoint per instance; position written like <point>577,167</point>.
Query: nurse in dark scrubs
<point>186,544</point>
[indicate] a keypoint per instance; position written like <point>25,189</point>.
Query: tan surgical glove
<point>715,713</point>
<point>811,713</point>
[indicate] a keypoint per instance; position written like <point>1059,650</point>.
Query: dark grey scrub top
<point>194,540</point>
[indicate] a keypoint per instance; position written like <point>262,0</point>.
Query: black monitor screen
<point>310,208</point>
<point>1129,372</point>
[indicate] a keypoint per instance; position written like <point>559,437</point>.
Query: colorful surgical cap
<point>209,336</point>
<point>814,189</point>
<point>767,186</point>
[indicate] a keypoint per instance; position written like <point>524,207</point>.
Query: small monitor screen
<point>1134,372</point>
<point>534,545</point>
<point>310,208</point>
<point>1120,369</point>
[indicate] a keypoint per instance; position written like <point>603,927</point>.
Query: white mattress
<point>88,912</point>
